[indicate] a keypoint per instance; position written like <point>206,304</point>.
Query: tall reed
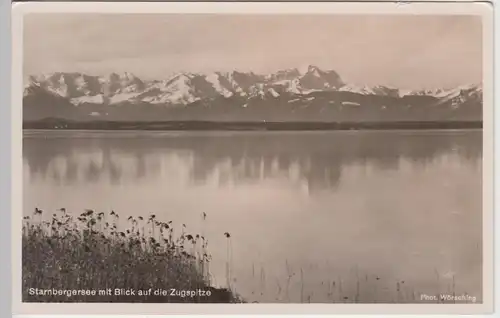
<point>89,253</point>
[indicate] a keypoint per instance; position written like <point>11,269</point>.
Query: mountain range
<point>311,94</point>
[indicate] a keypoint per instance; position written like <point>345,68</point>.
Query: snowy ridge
<point>357,89</point>
<point>187,88</point>
<point>183,88</point>
<point>214,79</point>
<point>372,90</point>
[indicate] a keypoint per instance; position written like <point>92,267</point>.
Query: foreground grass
<point>90,257</point>
<point>93,259</point>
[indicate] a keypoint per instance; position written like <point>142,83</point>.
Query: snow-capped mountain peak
<point>237,88</point>
<point>307,68</point>
<point>311,69</point>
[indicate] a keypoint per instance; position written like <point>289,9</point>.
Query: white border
<point>482,9</point>
<point>5,132</point>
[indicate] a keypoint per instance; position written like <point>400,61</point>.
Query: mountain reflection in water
<point>314,158</point>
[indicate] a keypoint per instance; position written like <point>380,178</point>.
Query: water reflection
<point>406,205</point>
<point>316,159</point>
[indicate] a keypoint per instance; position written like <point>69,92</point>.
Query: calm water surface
<point>314,216</point>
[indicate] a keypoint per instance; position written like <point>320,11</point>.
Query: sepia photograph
<point>253,158</point>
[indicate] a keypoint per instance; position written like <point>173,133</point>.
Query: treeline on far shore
<point>54,123</point>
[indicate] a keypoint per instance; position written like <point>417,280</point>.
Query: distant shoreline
<point>56,124</point>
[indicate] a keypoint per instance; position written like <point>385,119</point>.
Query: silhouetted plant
<point>80,255</point>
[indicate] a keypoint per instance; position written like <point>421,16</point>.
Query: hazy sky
<point>412,51</point>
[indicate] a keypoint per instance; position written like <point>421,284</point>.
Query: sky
<point>412,51</point>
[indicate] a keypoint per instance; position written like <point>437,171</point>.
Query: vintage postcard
<point>252,157</point>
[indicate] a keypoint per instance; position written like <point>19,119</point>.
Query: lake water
<point>313,216</point>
